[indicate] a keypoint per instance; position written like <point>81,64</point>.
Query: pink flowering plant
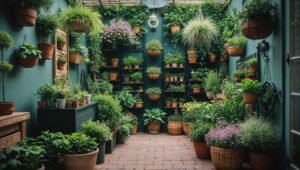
<point>119,32</point>
<point>224,136</point>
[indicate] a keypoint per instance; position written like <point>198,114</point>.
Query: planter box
<point>110,145</point>
<point>66,120</point>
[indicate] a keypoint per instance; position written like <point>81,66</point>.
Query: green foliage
<point>5,66</point>
<point>198,131</point>
<point>95,51</point>
<point>252,61</point>
<point>154,45</point>
<point>232,90</point>
<point>251,86</point>
<point>212,82</point>
<point>125,127</point>
<point>153,115</point>
<point>175,117</point>
<point>61,38</point>
<point>232,110</point>
<point>199,74</point>
<point>6,40</point>
<point>126,99</point>
<point>41,4</point>
<point>258,135</point>
<point>174,58</point>
<point>84,15</point>
<point>153,90</point>
<point>136,76</point>
<point>46,26</point>
<point>28,50</point>
<point>97,130</point>
<point>80,50</point>
<point>62,59</point>
<point>175,88</point>
<point>109,110</point>
<point>237,41</point>
<point>223,71</point>
<point>239,73</point>
<point>80,144</point>
<point>138,98</point>
<point>153,70</point>
<point>72,3</point>
<point>231,25</point>
<point>196,85</point>
<point>75,38</point>
<point>132,61</point>
<point>47,92</point>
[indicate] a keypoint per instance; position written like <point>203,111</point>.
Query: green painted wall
<point>22,83</point>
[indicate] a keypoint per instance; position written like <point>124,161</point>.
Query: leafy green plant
<point>138,98</point>
<point>252,61</point>
<point>5,67</point>
<point>258,135</point>
<point>198,131</point>
<point>239,73</point>
<point>48,93</point>
<point>212,82</point>
<point>125,127</point>
<point>28,50</point>
<point>251,86</point>
<point>196,85</point>
<point>232,110</point>
<point>153,90</point>
<point>154,45</point>
<point>61,38</point>
<point>199,74</point>
<point>82,50</point>
<point>232,90</point>
<point>95,51</point>
<point>97,130</point>
<point>153,115</point>
<point>80,144</point>
<point>237,41</point>
<point>153,70</point>
<point>176,88</point>
<point>136,76</point>
<point>126,99</point>
<point>45,27</point>
<point>6,40</point>
<point>62,59</point>
<point>175,117</point>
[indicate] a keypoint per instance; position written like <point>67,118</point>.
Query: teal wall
<point>21,83</point>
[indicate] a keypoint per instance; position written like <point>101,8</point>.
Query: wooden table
<point>12,128</point>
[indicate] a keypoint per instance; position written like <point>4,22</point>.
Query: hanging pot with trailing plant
<point>28,55</point>
<point>77,54</point>
<point>154,48</point>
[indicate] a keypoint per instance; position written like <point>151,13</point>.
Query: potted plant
<point>181,77</point>
<point>236,46</point>
<point>100,132</point>
<point>153,72</point>
<point>258,19</point>
<point>136,76</point>
<point>259,136</point>
<point>126,99</point>
<point>139,102</point>
<point>175,125</point>
<point>238,75</point>
<point>224,147</point>
<point>81,19</point>
<point>153,119</point>
<point>46,93</point>
<point>61,62</point>
<point>127,62</point>
<point>252,64</point>
<point>78,54</point>
<point>113,76</point>
<point>153,93</point>
<point>81,153</point>
<point>196,88</point>
<point>115,62</point>
<point>168,101</point>
<point>168,60</point>
<point>250,74</point>
<point>60,98</point>
<point>212,57</point>
<point>134,122</point>
<point>180,60</point>
<point>192,56</point>
<point>197,134</point>
<point>28,55</point>
<point>181,102</point>
<point>167,76</point>
<point>174,102</point>
<point>137,17</point>
<point>45,28</point>
<point>25,11</point>
<point>137,62</point>
<point>154,48</point>
<point>124,129</point>
<point>251,89</point>
<point>61,41</point>
<point>212,84</point>
<point>6,41</point>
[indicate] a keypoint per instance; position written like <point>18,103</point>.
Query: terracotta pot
<point>202,150</point>
<point>28,62</point>
<point>134,129</point>
<point>60,45</point>
<point>253,68</point>
<point>26,16</point>
<point>68,104</point>
<point>136,29</point>
<point>42,104</point>
<point>250,98</point>
<point>168,104</point>
<point>153,127</point>
<point>174,104</point>
<point>80,26</point>
<point>115,62</point>
<point>83,102</point>
<point>260,161</point>
<point>175,28</point>
<point>75,58</point>
<point>175,128</point>
<point>113,76</point>
<point>212,58</point>
<point>186,128</point>
<point>236,51</point>
<point>222,59</point>
<point>139,104</point>
<point>192,53</point>
<point>75,104</point>
<point>225,159</point>
<point>196,90</point>
<point>257,28</point>
<point>80,161</point>
<point>47,50</point>
<point>60,65</point>
<point>153,53</point>
<point>7,108</point>
<point>209,95</point>
<point>251,76</point>
<point>167,78</point>
<point>153,76</point>
<point>154,97</point>
<point>192,60</point>
<point>126,67</point>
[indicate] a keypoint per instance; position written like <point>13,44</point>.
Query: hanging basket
<point>153,53</point>
<point>175,128</point>
<point>257,29</point>
<point>47,50</point>
<point>80,26</point>
<point>236,51</point>
<point>25,16</point>
<point>28,62</point>
<point>154,97</point>
<point>75,58</point>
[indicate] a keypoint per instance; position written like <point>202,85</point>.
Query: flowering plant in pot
<point>225,147</point>
<point>153,72</point>
<point>153,93</point>
<point>6,41</point>
<point>236,46</point>
<point>154,48</point>
<point>61,62</point>
<point>153,119</point>
<point>212,84</point>
<point>259,136</point>
<point>61,41</point>
<point>175,124</point>
<point>28,55</point>
<point>251,89</point>
<point>139,102</point>
<point>45,29</point>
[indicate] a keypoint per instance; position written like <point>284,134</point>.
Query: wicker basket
<point>224,159</point>
<point>186,128</point>
<point>153,76</point>
<point>153,127</point>
<point>175,127</point>
<point>257,29</point>
<point>153,53</point>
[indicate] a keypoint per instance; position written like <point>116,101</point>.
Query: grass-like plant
<point>45,27</point>
<point>212,82</point>
<point>237,41</point>
<point>154,45</point>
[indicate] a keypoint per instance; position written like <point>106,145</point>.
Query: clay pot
<point>80,26</point>
<point>209,95</point>
<point>192,60</point>
<point>136,29</point>
<point>139,104</point>
<point>75,104</point>
<point>250,98</point>
<point>68,104</point>
<point>7,108</point>
<point>115,62</point>
<point>174,104</point>
<point>202,150</point>
<point>260,161</point>
<point>25,16</point>
<point>212,58</point>
<point>60,45</point>
<point>153,127</point>
<point>192,53</point>
<point>153,53</point>
<point>168,104</point>
<point>175,28</point>
<point>167,78</point>
<point>196,90</point>
<point>60,65</point>
<point>154,97</point>
<point>257,28</point>
<point>42,104</point>
<point>222,59</point>
<point>186,128</point>
<point>253,68</point>
<point>153,76</point>
<point>113,76</point>
<point>175,128</point>
<point>75,58</point>
<point>83,102</point>
<point>47,50</point>
<point>251,76</point>
<point>134,129</point>
<point>236,51</point>
<point>80,161</point>
<point>28,62</point>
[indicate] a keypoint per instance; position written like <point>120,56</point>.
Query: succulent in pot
<point>153,119</point>
<point>61,62</point>
<point>154,48</point>
<point>28,55</point>
<point>61,41</point>
<point>236,46</point>
<point>251,89</point>
<point>153,72</point>
<point>175,125</point>
<point>153,93</point>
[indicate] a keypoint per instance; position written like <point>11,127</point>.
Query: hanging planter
<point>28,55</point>
<point>79,26</point>
<point>139,104</point>
<point>25,16</point>
<point>77,54</point>
<point>251,89</point>
<point>257,29</point>
<point>47,50</point>
<point>192,56</point>
<point>153,72</point>
<point>154,48</point>
<point>175,28</point>
<point>236,46</point>
<point>61,62</point>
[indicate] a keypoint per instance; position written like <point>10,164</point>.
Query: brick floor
<point>145,151</point>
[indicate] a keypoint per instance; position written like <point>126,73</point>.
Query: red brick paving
<point>162,151</point>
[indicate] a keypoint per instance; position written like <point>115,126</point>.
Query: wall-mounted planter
<point>153,76</point>
<point>154,97</point>
<point>75,58</point>
<point>236,51</point>
<point>153,53</point>
<point>47,50</point>
<point>61,45</point>
<point>113,76</point>
<point>25,16</point>
<point>80,26</point>
<point>253,68</point>
<point>60,65</point>
<point>28,62</point>
<point>196,90</point>
<point>6,108</point>
<point>175,28</point>
<point>257,28</point>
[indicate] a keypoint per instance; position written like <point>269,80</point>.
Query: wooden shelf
<point>132,83</point>
<point>174,92</point>
<point>173,67</point>
<point>194,80</point>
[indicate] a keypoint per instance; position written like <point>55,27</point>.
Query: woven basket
<point>226,159</point>
<point>153,53</point>
<point>257,29</point>
<point>153,127</point>
<point>175,127</point>
<point>186,128</point>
